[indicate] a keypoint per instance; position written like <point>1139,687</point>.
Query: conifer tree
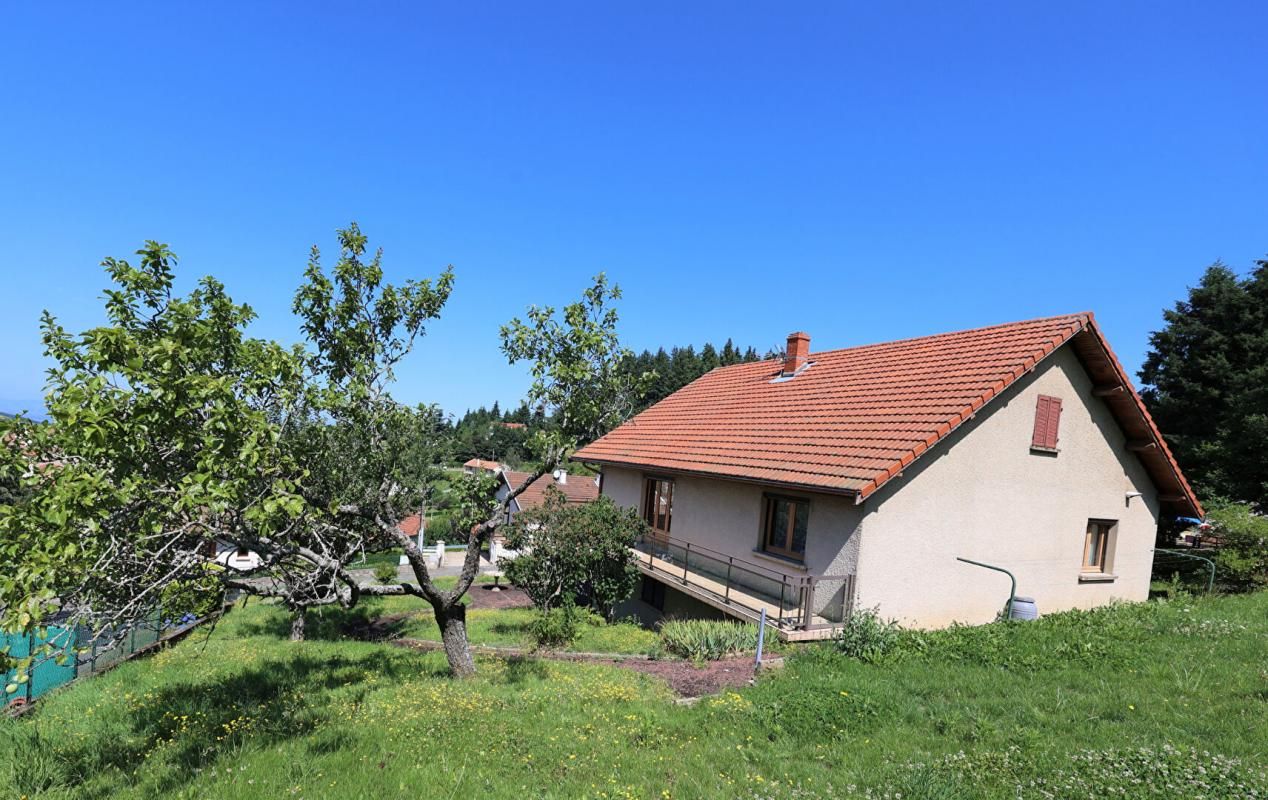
<point>1206,383</point>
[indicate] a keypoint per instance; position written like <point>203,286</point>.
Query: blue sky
<point>860,171</point>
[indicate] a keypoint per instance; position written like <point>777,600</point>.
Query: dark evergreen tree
<point>1206,383</point>
<point>680,366</point>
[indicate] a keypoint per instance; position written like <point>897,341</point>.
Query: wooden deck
<point>788,622</point>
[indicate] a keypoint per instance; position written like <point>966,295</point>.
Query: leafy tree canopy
<point>573,551</point>
<point>1206,383</point>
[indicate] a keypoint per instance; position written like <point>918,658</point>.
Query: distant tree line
<point>682,365</point>
<point>501,435</point>
<point>497,435</point>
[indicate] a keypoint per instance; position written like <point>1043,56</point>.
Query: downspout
<point>1011,592</point>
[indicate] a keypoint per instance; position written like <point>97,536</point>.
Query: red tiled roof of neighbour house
<point>578,489</point>
<point>855,418</point>
<point>479,463</point>
<point>409,525</point>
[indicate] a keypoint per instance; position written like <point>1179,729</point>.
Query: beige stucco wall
<point>983,494</point>
<point>725,516</point>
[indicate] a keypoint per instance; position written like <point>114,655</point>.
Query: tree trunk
<point>452,621</point>
<point>297,625</point>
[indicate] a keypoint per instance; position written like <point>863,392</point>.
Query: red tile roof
<point>479,463</point>
<point>409,525</point>
<point>856,417</point>
<point>578,489</point>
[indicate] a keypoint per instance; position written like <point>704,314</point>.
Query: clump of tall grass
<point>707,640</point>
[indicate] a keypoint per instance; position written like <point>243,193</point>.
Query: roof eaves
<point>1195,506</point>
<point>662,470</point>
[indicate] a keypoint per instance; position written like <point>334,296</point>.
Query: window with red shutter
<point>1047,423</point>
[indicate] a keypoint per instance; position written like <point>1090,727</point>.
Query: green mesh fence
<point>47,673</point>
<point>76,654</point>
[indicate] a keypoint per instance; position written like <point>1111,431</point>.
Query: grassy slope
<point>249,715</point>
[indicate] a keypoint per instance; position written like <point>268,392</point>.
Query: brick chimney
<point>797,352</point>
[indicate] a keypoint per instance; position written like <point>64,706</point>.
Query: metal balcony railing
<point>792,601</point>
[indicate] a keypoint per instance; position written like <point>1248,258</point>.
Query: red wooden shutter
<point>1047,422</point>
<point>1054,421</point>
<point>1041,422</point>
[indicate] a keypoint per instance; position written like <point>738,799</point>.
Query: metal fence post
<point>761,637</point>
<point>30,673</point>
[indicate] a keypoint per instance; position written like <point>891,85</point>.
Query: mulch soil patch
<point>481,595</point>
<point>690,680</point>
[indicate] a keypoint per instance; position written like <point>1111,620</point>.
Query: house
<point>235,557</point>
<point>857,478</point>
<point>480,465</point>
<point>576,489</point>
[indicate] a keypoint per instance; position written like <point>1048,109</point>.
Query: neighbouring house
<point>857,478</point>
<point>234,557</point>
<point>480,465</point>
<point>575,488</point>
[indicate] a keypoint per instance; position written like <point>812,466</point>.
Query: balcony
<point>798,607</point>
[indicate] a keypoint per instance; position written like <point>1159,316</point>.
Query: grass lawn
<point>372,560</point>
<point>1086,705</point>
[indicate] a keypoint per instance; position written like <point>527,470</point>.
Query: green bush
<point>385,573</point>
<point>867,637</point>
<point>707,640</point>
<point>557,627</point>
<point>1241,562</point>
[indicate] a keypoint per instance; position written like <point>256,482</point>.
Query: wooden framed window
<point>1047,423</point>
<point>1097,545</point>
<point>658,503</point>
<point>785,521</point>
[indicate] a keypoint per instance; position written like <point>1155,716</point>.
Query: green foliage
<point>672,370</point>
<point>1181,719</point>
<point>385,573</point>
<point>867,637</point>
<point>1241,560</point>
<point>707,640</point>
<point>494,435</point>
<point>568,551</point>
<point>161,436</point>
<point>576,364</point>
<point>558,626</point>
<point>1147,773</point>
<point>364,450</point>
<point>1206,383</point>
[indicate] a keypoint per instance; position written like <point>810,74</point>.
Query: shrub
<point>707,640</point>
<point>1241,562</point>
<point>385,573</point>
<point>573,551</point>
<point>556,627</point>
<point>867,637</point>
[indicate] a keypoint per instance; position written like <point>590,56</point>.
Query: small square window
<point>1098,543</point>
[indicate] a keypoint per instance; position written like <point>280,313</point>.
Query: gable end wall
<point>983,494</point>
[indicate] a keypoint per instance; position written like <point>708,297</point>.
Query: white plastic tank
<point>1025,608</point>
